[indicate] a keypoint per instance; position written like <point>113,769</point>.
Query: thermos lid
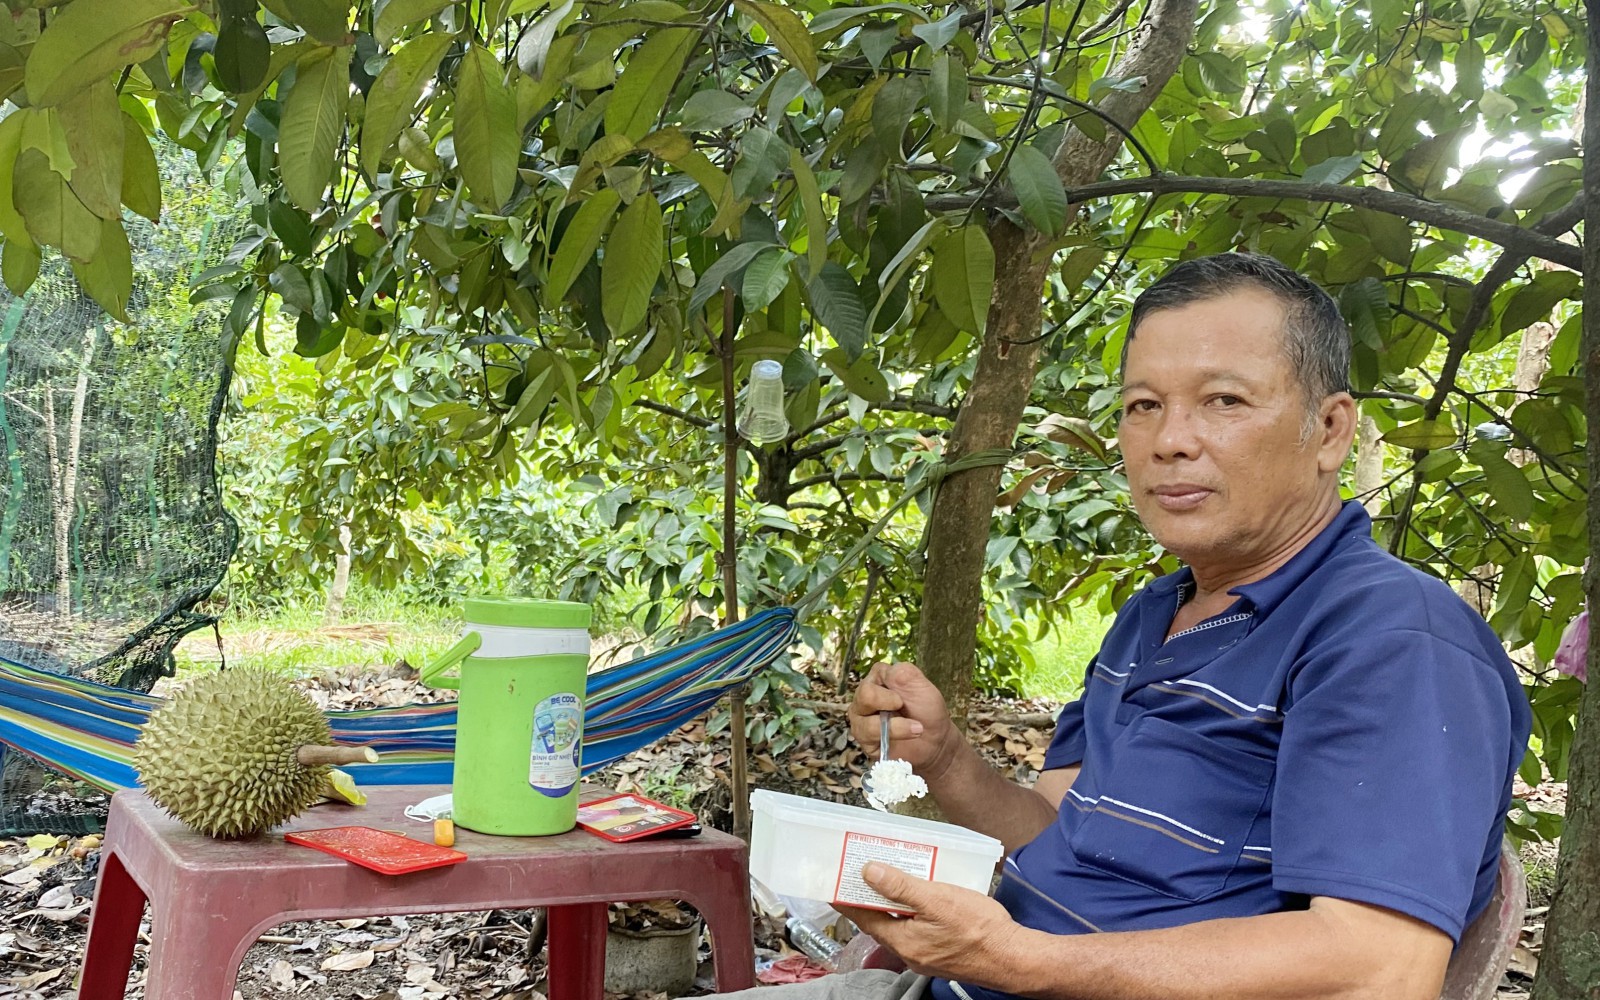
<point>523,612</point>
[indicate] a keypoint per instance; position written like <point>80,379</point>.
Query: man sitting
<point>1289,770</point>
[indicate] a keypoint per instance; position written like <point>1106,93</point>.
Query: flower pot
<point>660,960</point>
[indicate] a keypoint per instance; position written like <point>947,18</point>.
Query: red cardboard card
<point>379,850</point>
<point>620,818</point>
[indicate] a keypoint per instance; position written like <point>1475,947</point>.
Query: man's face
<point>1214,432</point>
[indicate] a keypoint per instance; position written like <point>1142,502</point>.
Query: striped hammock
<point>87,730</point>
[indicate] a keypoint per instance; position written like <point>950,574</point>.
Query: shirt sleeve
<point>1067,744</point>
<point>1391,775</point>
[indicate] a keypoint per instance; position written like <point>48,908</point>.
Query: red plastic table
<point>211,899</point>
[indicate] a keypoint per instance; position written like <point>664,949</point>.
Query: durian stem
<point>315,756</point>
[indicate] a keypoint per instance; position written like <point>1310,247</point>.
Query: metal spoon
<point>883,754</point>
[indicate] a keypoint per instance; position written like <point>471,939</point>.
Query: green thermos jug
<point>519,717</point>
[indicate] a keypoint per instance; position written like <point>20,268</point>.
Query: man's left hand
<point>955,933</point>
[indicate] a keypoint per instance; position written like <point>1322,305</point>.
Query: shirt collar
<point>1270,591</point>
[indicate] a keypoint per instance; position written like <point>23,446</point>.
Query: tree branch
<point>1532,242</point>
<point>1406,397</point>
<point>1114,15</point>
<point>843,477</point>
<point>1460,340</point>
<point>686,417</point>
<point>897,405</point>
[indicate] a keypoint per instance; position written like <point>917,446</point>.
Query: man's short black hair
<point>1316,338</point>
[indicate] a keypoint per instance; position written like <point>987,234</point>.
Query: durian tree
<point>895,198</point>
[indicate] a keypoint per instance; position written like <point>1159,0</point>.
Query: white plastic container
<point>815,850</point>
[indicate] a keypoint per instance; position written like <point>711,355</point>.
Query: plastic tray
<point>378,850</point>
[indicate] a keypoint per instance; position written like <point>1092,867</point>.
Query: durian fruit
<point>238,752</point>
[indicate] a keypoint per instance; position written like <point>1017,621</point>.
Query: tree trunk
<point>64,474</point>
<point>1570,965</point>
<point>1533,361</point>
<point>1369,464</point>
<point>340,589</point>
<point>958,527</point>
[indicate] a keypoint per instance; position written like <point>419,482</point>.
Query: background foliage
<point>479,308</point>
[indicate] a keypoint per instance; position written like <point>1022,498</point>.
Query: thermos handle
<point>433,674</point>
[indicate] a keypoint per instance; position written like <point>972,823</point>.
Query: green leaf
<point>1365,305</point>
<point>313,340</point>
<point>394,96</point>
<point>1426,165</point>
<point>53,214</point>
<point>397,15</point>
<point>939,33</point>
<point>1125,84</point>
<point>1509,487</point>
<point>533,51</point>
<point>487,144</point>
<point>901,264</point>
<point>11,223</point>
<point>764,278</point>
<point>313,119</point>
<point>42,130</point>
<point>836,302</point>
<point>1039,190</point>
<point>12,68</point>
<point>91,40</point>
<point>786,31</point>
<point>534,400</point>
<point>1494,104</point>
<point>1516,583</point>
<point>579,242</point>
<point>860,376</point>
<point>647,82</point>
<point>1080,266</point>
<point>1333,170</point>
<point>108,278</point>
<point>328,21</point>
<point>1533,302</point>
<point>19,264</point>
<point>635,252</point>
<point>963,277</point>
<point>291,285</point>
<point>722,272</point>
<point>1423,435</point>
<point>242,53</point>
<point>92,121</point>
<point>892,109</point>
<point>947,91</point>
<point>709,110</point>
<point>761,155</point>
<point>805,183</point>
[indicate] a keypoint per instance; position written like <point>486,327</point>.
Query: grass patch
<point>1061,656</point>
<point>375,631</point>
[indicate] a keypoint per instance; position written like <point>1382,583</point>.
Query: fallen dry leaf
<point>1524,961</point>
<point>59,915</point>
<point>55,898</point>
<point>36,980</point>
<point>348,961</point>
<point>281,974</point>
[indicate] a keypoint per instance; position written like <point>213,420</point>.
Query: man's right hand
<point>920,731</point>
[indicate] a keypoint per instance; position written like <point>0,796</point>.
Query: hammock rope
<point>87,729</point>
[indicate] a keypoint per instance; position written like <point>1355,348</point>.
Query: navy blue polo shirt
<point>1349,727</point>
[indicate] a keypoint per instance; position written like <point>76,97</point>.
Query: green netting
<point>112,527</point>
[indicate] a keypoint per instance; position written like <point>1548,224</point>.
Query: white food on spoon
<point>890,782</point>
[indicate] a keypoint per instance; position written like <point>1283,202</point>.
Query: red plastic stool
<point>211,899</point>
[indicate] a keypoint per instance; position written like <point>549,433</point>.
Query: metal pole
<point>740,778</point>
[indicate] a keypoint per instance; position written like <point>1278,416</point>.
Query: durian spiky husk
<point>220,755</point>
